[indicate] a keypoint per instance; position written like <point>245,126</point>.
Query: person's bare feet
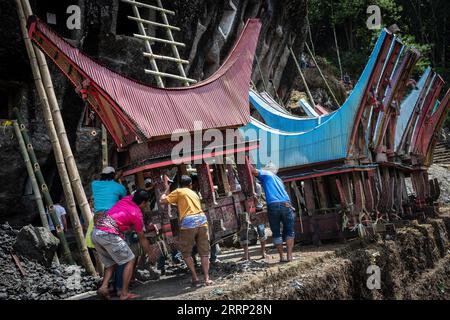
<point>104,293</point>
<point>195,283</point>
<point>129,296</point>
<point>209,282</point>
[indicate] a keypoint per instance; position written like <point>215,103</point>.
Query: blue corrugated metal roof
<point>407,107</point>
<point>324,142</point>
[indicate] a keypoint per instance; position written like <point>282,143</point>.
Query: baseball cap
<point>108,170</point>
<point>147,181</point>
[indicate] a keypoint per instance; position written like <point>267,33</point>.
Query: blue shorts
<point>278,215</point>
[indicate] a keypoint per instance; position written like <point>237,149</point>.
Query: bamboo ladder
<point>149,53</point>
<point>154,58</point>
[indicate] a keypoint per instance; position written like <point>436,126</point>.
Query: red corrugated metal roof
<point>126,105</point>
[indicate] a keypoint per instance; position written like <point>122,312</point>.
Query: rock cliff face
<point>209,29</point>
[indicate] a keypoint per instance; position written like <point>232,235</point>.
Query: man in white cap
<point>106,192</point>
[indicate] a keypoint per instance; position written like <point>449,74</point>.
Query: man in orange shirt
<point>193,227</point>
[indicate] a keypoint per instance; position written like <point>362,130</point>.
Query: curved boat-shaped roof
<point>408,105</point>
<point>277,117</point>
<point>434,125</point>
<point>326,142</point>
<point>285,121</point>
<point>132,111</point>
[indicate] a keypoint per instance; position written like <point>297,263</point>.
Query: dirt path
<point>414,265</point>
<point>227,275</point>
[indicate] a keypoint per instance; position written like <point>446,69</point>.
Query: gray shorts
<point>111,248</point>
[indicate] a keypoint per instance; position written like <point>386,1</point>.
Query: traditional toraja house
<point>421,119</point>
<point>141,120</point>
<point>383,126</point>
<point>342,168</point>
<point>325,161</point>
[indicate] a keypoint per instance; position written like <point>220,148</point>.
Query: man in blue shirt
<point>279,211</point>
<point>106,192</point>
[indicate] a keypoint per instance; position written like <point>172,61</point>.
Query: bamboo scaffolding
<point>30,171</point>
<point>170,40</point>
<point>59,231</point>
<point>60,128</point>
<point>73,214</point>
<point>174,47</point>
<point>59,158</point>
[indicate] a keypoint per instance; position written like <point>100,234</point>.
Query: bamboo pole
<point>73,214</point>
<point>30,171</point>
<point>322,75</point>
<point>311,99</point>
<point>104,147</point>
<point>60,129</point>
<point>337,51</point>
<point>51,130</point>
<point>59,231</point>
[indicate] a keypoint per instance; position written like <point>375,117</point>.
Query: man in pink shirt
<point>109,240</point>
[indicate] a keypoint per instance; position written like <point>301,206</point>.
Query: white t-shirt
<point>60,211</point>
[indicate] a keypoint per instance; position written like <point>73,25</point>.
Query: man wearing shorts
<point>279,211</point>
<point>193,227</point>
<point>109,240</point>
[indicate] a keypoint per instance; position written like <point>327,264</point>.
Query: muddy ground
<point>413,265</point>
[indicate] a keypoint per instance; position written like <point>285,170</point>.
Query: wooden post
<point>59,158</point>
<point>30,171</point>
<point>311,206</point>
<point>224,178</point>
<point>105,161</point>
<point>41,64</point>
<point>322,193</point>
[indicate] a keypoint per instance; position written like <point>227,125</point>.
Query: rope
<point>336,43</point>
<point>322,75</point>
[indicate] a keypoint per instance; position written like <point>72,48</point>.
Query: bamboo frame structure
<point>30,171</point>
<point>58,153</point>
<point>60,128</point>
<point>33,173</point>
<point>73,214</point>
<point>170,41</point>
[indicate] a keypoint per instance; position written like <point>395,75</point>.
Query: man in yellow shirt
<point>193,227</point>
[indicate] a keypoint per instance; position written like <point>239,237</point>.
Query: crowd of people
<point>116,235</point>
